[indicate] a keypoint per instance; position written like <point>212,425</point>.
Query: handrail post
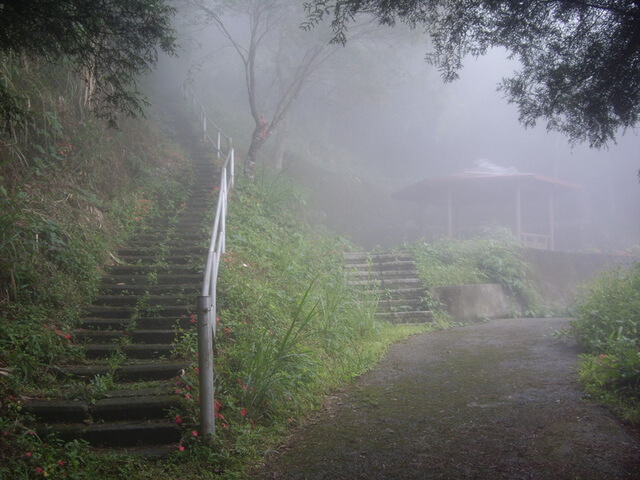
<point>231,166</point>
<point>204,128</point>
<point>205,365</point>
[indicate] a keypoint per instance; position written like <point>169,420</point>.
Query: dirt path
<point>496,400</point>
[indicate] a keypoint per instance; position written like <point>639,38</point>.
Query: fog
<point>378,114</point>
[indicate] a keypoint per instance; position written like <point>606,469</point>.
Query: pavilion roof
<point>477,185</point>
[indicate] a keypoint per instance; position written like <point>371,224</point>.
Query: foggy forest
<point>319,239</point>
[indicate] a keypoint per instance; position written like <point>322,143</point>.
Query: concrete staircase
<point>146,299</point>
<point>393,278</point>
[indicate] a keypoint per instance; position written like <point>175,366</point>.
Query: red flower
<point>194,433</point>
<point>187,396</point>
<point>217,405</point>
<point>181,448</point>
<point>243,412</point>
<point>177,419</point>
<point>28,454</point>
<point>192,318</point>
<point>61,463</point>
<point>39,470</point>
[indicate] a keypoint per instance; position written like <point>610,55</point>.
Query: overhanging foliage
<point>580,61</point>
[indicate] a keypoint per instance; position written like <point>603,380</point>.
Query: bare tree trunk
<point>257,140</point>
<point>281,144</point>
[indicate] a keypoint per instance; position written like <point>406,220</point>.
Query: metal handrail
<point>206,307</point>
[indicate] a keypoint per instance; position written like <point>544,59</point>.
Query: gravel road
<point>496,400</point>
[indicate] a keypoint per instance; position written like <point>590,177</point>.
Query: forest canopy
<point>580,62</point>
<point>109,42</point>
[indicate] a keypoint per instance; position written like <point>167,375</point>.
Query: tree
<point>580,60</point>
<point>110,42</point>
<point>278,60</point>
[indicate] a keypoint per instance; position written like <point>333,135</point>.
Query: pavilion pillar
<point>449,214</point>
<point>552,240</point>
<point>519,213</point>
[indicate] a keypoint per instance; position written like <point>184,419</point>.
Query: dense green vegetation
<point>290,329</point>
<point>110,47</point>
<point>607,324</point>
<point>71,191</point>
<point>496,259</point>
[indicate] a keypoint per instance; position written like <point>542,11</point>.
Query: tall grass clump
<point>607,325</point>
<point>496,259</point>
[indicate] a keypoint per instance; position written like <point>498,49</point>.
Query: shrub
<point>607,325</point>
<point>481,260</point>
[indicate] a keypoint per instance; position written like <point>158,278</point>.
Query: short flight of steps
<point>393,278</point>
<point>146,301</point>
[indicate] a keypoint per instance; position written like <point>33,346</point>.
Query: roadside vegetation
<point>290,329</point>
<point>607,325</point>
<point>494,259</point>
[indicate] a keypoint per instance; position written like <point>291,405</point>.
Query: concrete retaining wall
<point>467,303</point>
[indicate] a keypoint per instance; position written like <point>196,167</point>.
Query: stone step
<point>153,269</point>
<point>184,259</point>
<point>154,290</point>
<point>362,257</point>
<point>399,305</point>
<point>125,300</point>
<point>406,317</point>
<point>120,434</point>
<point>135,336</point>
<point>168,279</point>
<point>128,372</point>
<point>394,265</point>
<point>382,274</point>
<point>140,405</point>
<point>163,311</point>
<point>162,235</point>
<point>150,249</point>
<point>143,323</point>
<point>410,293</point>
<point>141,351</point>
<point>387,284</point>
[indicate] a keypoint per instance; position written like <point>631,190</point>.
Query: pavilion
<point>464,204</point>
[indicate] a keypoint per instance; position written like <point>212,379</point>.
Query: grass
<point>290,329</point>
<point>495,259</point>
<point>607,325</point>
<point>290,332</point>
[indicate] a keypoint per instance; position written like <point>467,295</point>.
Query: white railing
<point>206,313</point>
<point>535,240</point>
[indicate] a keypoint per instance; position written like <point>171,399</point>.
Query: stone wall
<point>467,303</point>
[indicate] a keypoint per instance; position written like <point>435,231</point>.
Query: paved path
<point>496,400</point>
